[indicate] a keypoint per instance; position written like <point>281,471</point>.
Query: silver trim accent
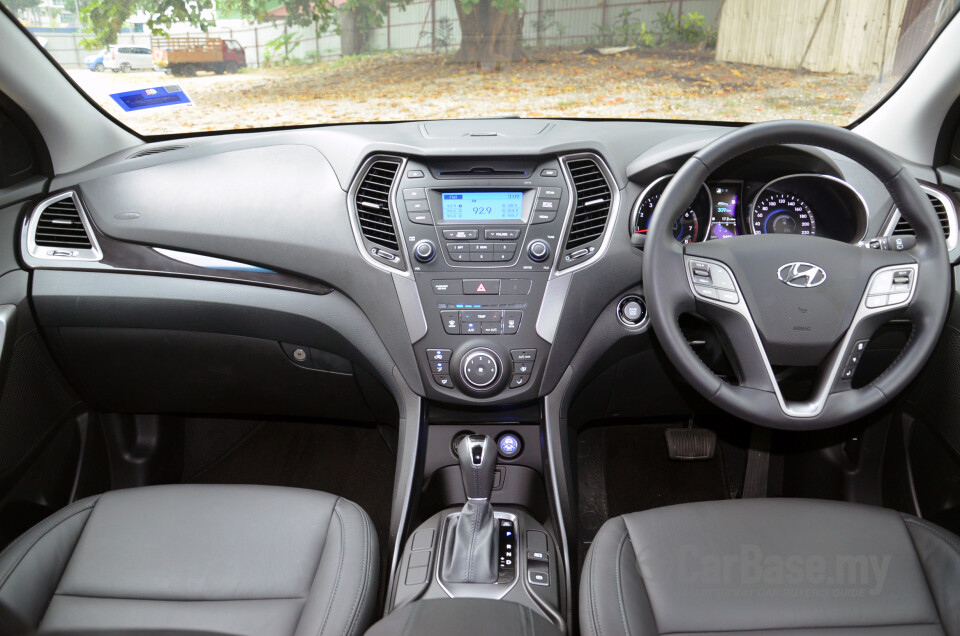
<point>411,307</point>
<point>813,407</point>
<point>495,591</point>
<point>635,211</point>
<point>952,234</point>
<point>864,212</point>
<point>612,217</point>
<point>208,262</point>
<point>394,213</point>
<point>28,240</point>
<point>646,314</point>
<point>552,417</point>
<point>551,307</point>
<point>481,351</point>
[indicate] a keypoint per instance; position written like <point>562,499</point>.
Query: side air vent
<point>594,200</point>
<point>154,151</point>
<point>58,229</point>
<point>946,212</point>
<point>374,220</point>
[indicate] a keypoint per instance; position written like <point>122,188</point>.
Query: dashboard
<point>474,263</point>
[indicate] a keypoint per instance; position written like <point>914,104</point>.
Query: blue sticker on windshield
<point>170,95</point>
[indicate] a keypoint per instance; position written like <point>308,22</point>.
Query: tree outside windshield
<point>168,66</point>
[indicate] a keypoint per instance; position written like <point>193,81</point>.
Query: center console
<point>482,238</point>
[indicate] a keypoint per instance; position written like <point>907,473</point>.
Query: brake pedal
<point>690,444</point>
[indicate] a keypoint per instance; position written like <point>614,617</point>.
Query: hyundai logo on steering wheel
<point>801,274</point>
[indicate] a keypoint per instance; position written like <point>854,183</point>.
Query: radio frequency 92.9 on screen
<point>482,206</point>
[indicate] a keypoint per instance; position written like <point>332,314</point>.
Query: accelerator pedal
<point>690,444</point>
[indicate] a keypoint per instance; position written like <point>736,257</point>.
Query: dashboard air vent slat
<point>594,199</point>
<point>903,225</point>
<point>60,225</point>
<point>373,203</point>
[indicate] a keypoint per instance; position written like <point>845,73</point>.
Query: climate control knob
<point>424,251</point>
<point>480,368</point>
<point>538,251</point>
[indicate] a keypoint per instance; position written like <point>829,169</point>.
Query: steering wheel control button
<point>708,292</point>
<point>481,287</point>
<point>848,373</point>
<point>518,381</point>
<point>632,311</point>
<point>447,287</point>
<point>480,368</point>
<point>538,251</point>
<point>451,321</point>
<point>727,296</point>
<point>443,380</point>
<point>877,300</point>
<point>509,445</point>
<point>523,355</point>
<point>438,355</point>
<point>511,321</point>
<point>721,278</point>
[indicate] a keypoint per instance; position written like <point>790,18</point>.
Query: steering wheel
<point>796,300</point>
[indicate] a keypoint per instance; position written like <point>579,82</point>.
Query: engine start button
<point>510,445</point>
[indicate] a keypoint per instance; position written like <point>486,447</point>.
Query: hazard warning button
<point>485,286</point>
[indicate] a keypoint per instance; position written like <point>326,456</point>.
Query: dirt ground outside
<point>633,84</point>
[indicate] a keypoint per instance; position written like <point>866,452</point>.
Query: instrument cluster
<point>803,204</point>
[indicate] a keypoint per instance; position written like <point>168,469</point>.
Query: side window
<point>123,50</point>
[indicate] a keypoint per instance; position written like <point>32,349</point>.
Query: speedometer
<point>783,213</point>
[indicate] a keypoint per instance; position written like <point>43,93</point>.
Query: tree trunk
<point>489,34</point>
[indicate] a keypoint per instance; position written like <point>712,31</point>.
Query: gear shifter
<point>470,552</point>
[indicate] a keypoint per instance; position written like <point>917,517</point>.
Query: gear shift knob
<point>478,462</point>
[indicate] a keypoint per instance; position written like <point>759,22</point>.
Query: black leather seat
<point>230,559</point>
<point>794,567</point>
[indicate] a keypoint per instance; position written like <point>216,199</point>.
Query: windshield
<point>172,67</point>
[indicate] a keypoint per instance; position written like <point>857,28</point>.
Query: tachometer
<point>783,213</point>
<point>686,229</point>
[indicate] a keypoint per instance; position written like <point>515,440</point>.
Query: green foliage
<point>442,38</point>
<point>280,48</point>
<point>546,23</point>
<point>694,29</point>
<point>105,18</point>
<point>691,29</point>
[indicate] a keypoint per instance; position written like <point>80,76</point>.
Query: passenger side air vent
<point>593,201</point>
<point>946,212</point>
<point>58,229</point>
<point>371,199</point>
<point>154,151</point>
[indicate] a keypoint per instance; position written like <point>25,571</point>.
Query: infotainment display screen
<point>482,206</point>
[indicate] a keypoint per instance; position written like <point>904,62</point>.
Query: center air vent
<point>946,213</point>
<point>372,202</point>
<point>594,200</point>
<point>58,229</point>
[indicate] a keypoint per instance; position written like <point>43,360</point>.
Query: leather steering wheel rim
<point>670,292</point>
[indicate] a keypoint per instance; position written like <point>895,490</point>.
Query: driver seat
<point>772,566</point>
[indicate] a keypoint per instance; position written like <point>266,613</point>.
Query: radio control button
<point>501,235</point>
<point>458,247</point>
<point>415,193</point>
<point>548,172</point>
<point>538,251</point>
<point>424,251</point>
<point>460,235</point>
<point>481,257</point>
<point>550,192</point>
<point>481,247</point>
<point>417,205</point>
<point>460,256</point>
<point>503,256</point>
<point>543,217</point>
<point>420,218</point>
<point>547,204</point>
<point>505,247</point>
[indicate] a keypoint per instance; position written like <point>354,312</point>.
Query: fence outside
<point>566,23</point>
